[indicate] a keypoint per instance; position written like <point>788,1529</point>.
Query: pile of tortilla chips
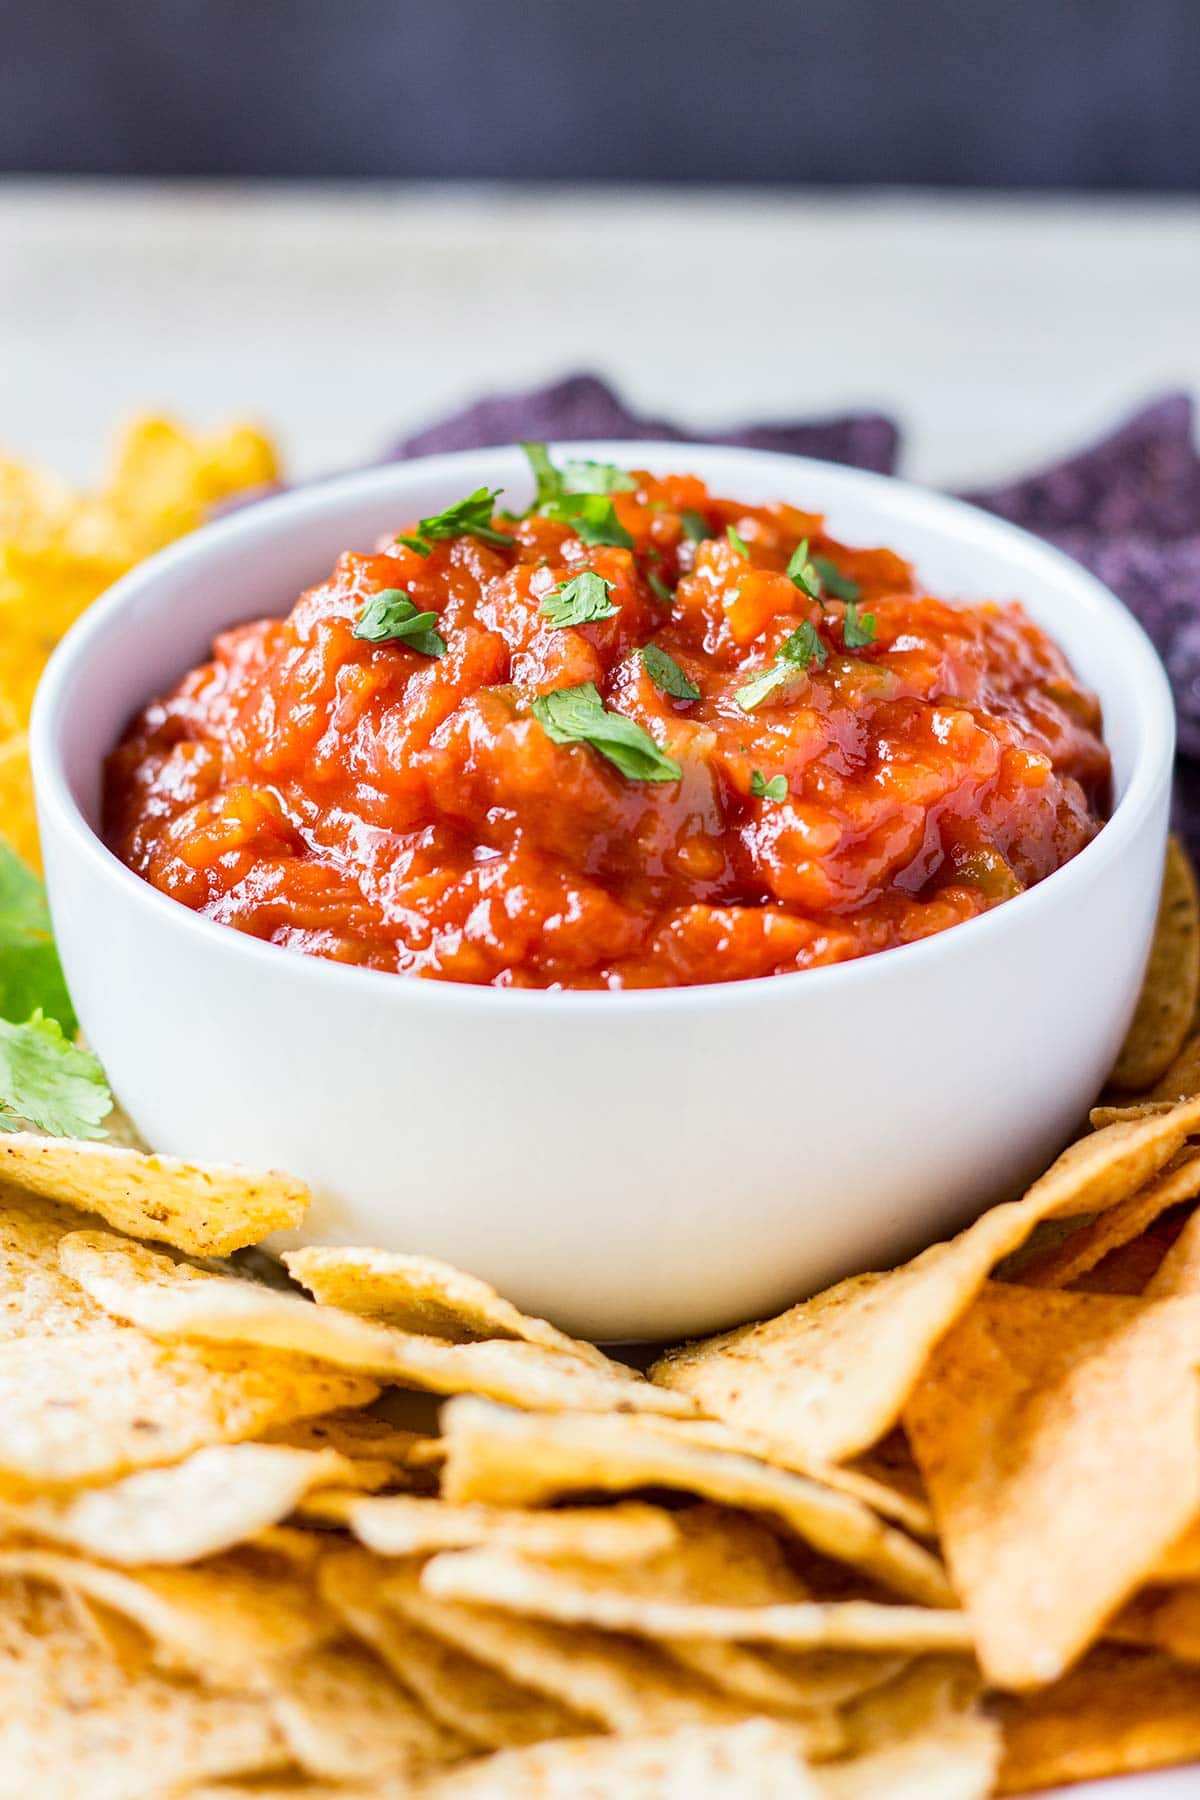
<point>364,1528</point>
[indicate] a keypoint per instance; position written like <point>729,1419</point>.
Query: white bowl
<point>637,1165</point>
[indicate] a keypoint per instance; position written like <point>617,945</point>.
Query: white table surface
<point>999,330</point>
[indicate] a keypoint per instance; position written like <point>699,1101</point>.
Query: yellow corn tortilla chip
<point>345,1718</point>
<point>1182,1079</point>
<point>758,1757</point>
<point>222,1620</point>
<point>524,1459</point>
<point>472,1698</point>
<point>18,821</point>
<point>766,1680</point>
<point>1079,1253</point>
<point>1168,998</point>
<point>1119,1712</point>
<point>830,1377</point>
<point>215,1499</point>
<point>622,1683</point>
<point>356,1436</point>
<point>164,480</point>
<point>1057,1436</point>
<point>76,1721</point>
<point>36,1297</point>
<point>1162,1618</point>
<point>417,1293</point>
<point>1178,1273</point>
<point>1181,1562</point>
<point>207,1209</point>
<point>175,1300</point>
<point>923,1735</point>
<point>584,1595</point>
<point>412,1525</point>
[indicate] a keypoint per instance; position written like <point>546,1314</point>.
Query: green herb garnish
<point>739,543</point>
<point>547,477</point>
<point>659,587</point>
<point>762,789</point>
<point>592,517</point>
<point>666,674</point>
<point>803,574</point>
<point>391,614</point>
<point>795,653</point>
<point>471,517</point>
<point>579,601</point>
<point>695,526</point>
<point>574,477</point>
<point>835,584</point>
<point>48,1082</point>
<point>857,631</point>
<point>31,975</point>
<point>577,715</point>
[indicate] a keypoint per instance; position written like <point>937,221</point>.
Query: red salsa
<point>640,737</point>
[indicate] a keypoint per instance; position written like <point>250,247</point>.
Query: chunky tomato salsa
<point>639,736</point>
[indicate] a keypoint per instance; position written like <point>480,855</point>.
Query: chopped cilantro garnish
<point>48,1082</point>
<point>738,542</point>
<point>30,973</point>
<point>659,587</point>
<point>796,652</point>
<point>762,789</point>
<point>391,614</point>
<point>695,526</point>
<point>666,674</point>
<point>579,601</point>
<point>803,574</point>
<point>596,478</point>
<point>471,517</point>
<point>547,477</point>
<point>577,715</point>
<point>857,630</point>
<point>835,584</point>
<point>592,517</point>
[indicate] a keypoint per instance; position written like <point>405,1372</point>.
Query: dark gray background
<point>1098,94</point>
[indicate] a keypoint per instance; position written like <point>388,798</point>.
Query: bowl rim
<point>253,526</point>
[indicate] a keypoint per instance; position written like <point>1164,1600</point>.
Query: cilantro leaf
<point>695,526</point>
<point>579,601</point>
<point>391,614</point>
<point>762,789</point>
<point>857,631</point>
<point>547,477</point>
<point>738,542</point>
<point>837,585</point>
<point>48,1082</point>
<point>796,652</point>
<point>803,574</point>
<point>596,478</point>
<point>592,517</point>
<point>666,674</point>
<point>577,715</point>
<point>470,517</point>
<point>30,973</point>
<point>659,587</point>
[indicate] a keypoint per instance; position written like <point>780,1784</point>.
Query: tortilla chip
<point>1168,998</point>
<point>417,1293</point>
<point>1119,1712</point>
<point>345,1718</point>
<point>213,1500</point>
<point>208,1209</point>
<point>520,1459</point>
<point>175,1300</point>
<point>923,1735</point>
<point>1178,1274</point>
<point>622,1683</point>
<point>222,1620</point>
<point>404,1525</point>
<point>1162,1618</point>
<point>756,1757</point>
<point>1111,1230</point>
<point>827,1379</point>
<point>356,1436</point>
<point>766,1680</point>
<point>473,1699</point>
<point>18,821</point>
<point>71,1711</point>
<point>1182,1079</point>
<point>1181,1562</point>
<point>1057,1436</point>
<point>1131,1268</point>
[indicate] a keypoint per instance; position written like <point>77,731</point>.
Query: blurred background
<point>347,216</point>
